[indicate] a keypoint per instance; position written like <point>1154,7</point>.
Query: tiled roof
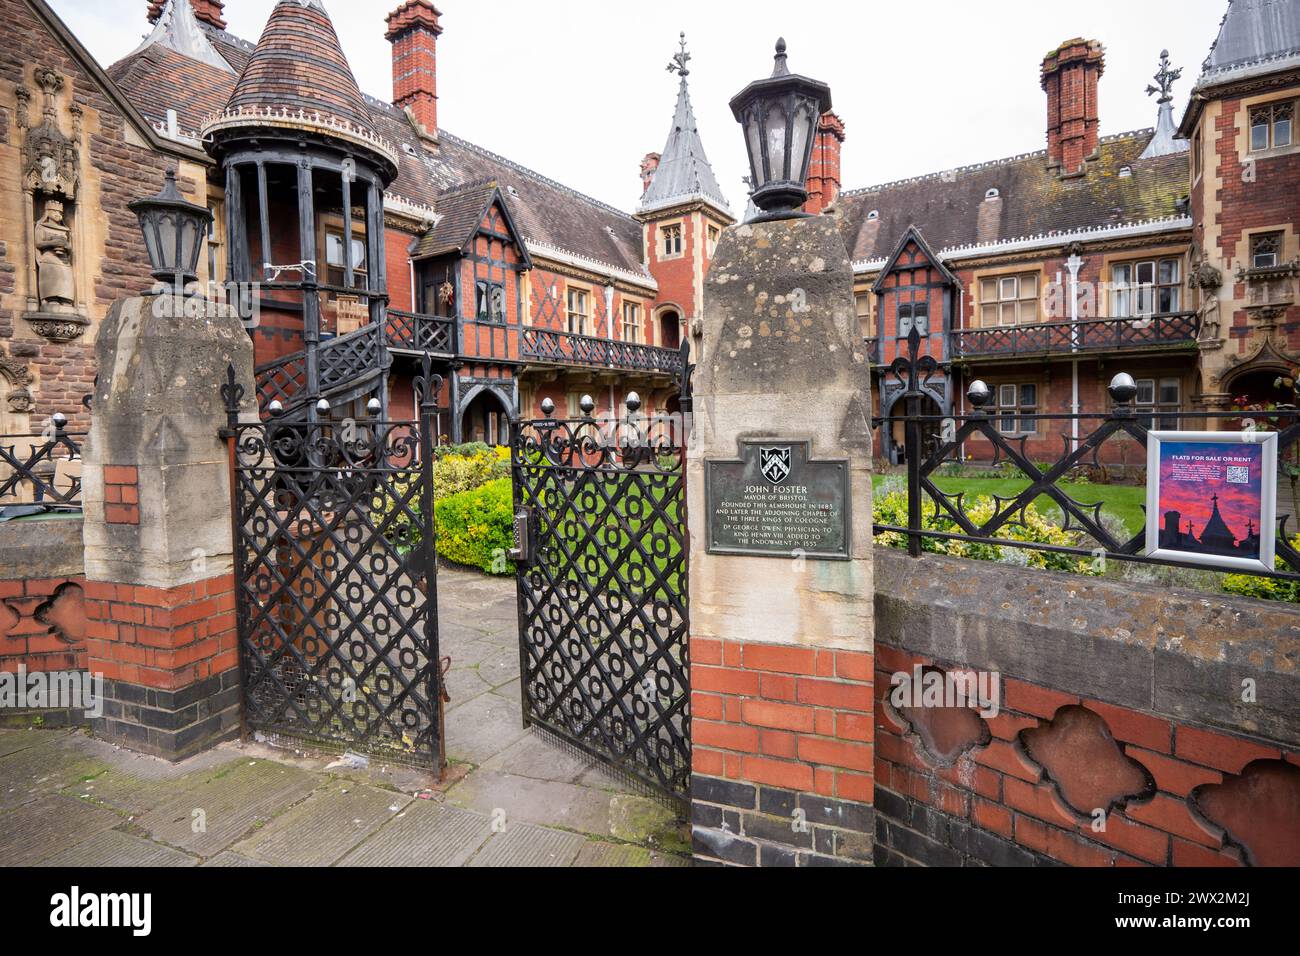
<point>955,208</point>
<point>299,64</point>
<point>195,90</point>
<point>1253,31</point>
<point>460,211</point>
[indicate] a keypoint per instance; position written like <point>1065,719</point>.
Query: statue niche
<point>51,178</point>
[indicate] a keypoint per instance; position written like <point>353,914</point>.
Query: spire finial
<point>1164,78</point>
<point>681,58</point>
<point>779,68</point>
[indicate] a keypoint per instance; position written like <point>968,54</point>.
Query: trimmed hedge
<point>476,527</point>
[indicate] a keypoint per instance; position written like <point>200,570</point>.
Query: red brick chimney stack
<point>209,11</point>
<point>648,166</point>
<point>824,168</point>
<point>1070,75</point>
<point>413,30</point>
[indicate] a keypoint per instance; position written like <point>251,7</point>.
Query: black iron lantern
<point>173,234</point>
<point>779,116</point>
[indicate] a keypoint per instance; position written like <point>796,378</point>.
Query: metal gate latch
<point>522,552</point>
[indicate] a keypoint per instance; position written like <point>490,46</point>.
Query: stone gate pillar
<point>160,602</point>
<point>779,475</point>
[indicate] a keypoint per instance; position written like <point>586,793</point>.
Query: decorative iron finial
<point>680,59</point>
<point>1122,388</point>
<point>587,404</point>
<point>1164,78</point>
<point>778,67</point>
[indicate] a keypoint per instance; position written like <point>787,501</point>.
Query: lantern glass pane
<point>189,247</point>
<point>801,132</point>
<point>753,135</point>
<point>148,227</point>
<point>776,151</point>
<point>167,240</point>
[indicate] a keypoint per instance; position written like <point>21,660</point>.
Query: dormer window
<point>991,194</point>
<point>1125,172</point>
<point>672,240</point>
<point>1270,126</point>
<point>873,215</point>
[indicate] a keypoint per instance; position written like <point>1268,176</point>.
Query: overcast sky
<point>578,90</point>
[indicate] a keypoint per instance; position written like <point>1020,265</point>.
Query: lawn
<point>1123,501</point>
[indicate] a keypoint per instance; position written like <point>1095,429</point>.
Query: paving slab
<point>523,845</point>
<point>135,783</point>
<point>501,668</point>
<point>45,768</point>
<point>467,653</point>
<point>227,859</point>
<point>535,755</point>
<point>464,683</point>
<point>114,848</point>
<point>426,833</point>
<point>527,800</point>
<point>49,826</point>
<point>12,741</point>
<point>233,799</point>
<point>481,727</point>
<point>323,827</point>
<point>595,853</point>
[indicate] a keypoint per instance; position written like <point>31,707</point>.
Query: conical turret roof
<point>298,77</point>
<point>299,65</point>
<point>684,172</point>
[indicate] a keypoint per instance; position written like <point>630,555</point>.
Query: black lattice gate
<point>602,580</point>
<point>336,578</point>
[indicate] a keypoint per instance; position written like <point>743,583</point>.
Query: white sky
<point>578,90</point>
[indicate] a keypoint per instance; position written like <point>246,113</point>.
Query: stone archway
<point>484,415</point>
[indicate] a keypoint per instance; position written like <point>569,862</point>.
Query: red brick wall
<point>998,792</point>
<point>790,717</point>
<point>43,624</point>
<point>165,639</point>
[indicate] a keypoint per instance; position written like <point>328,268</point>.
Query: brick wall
<point>1105,750</point>
<point>781,753</point>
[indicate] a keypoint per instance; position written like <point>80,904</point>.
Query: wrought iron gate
<point>602,558</point>
<point>335,581</point>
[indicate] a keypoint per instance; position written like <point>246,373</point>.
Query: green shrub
<point>1266,589</point>
<point>476,527</point>
<point>478,465</point>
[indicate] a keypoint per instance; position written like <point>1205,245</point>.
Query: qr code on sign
<point>1238,475</point>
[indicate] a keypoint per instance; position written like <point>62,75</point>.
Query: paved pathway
<point>510,798</point>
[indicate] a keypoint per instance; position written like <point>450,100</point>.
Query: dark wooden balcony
<point>565,348</point>
<point>1172,331</point>
<point>414,332</point>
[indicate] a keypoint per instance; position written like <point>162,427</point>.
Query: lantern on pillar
<point>173,234</point>
<point>779,116</point>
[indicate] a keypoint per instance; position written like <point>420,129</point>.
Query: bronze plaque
<point>776,502</point>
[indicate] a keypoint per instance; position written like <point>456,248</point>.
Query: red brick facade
<point>43,624</point>
<point>1173,815</point>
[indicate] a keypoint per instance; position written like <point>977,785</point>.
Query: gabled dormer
<point>915,290</point>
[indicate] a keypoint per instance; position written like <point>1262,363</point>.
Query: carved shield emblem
<point>774,463</point>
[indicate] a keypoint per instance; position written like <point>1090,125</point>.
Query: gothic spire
<point>684,173</point>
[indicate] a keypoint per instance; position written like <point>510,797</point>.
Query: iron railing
<point>1092,335</point>
<point>416,332</point>
<point>39,469</point>
<point>340,360</point>
<point>935,442</point>
<point>568,348</point>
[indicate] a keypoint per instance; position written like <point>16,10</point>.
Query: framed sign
<point>1212,498</point>
<point>777,501</point>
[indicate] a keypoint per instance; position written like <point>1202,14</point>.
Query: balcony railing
<point>566,348</point>
<point>414,332</point>
<point>1091,335</point>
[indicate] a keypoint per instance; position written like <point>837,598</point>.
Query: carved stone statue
<point>53,240</point>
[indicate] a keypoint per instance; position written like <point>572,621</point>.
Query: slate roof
<point>1252,31</point>
<point>951,208</point>
<point>684,171</point>
<point>460,210</point>
<point>194,89</point>
<point>299,63</point>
